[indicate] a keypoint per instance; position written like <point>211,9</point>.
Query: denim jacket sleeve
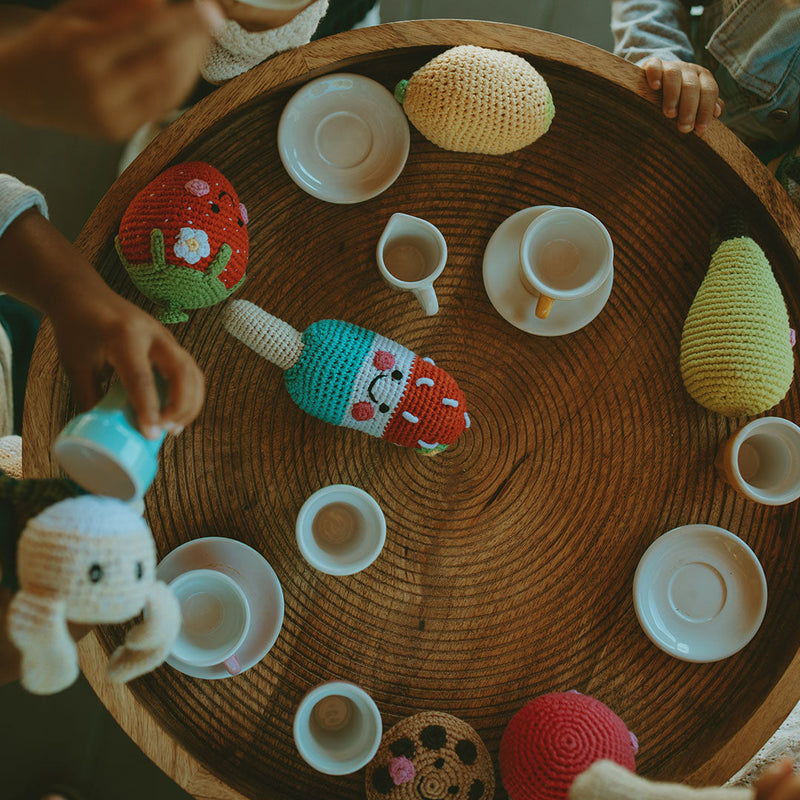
<point>644,28</point>
<point>16,197</point>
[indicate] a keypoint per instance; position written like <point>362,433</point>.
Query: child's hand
<point>690,93</point>
<point>96,332</point>
<point>101,68</point>
<point>779,782</point>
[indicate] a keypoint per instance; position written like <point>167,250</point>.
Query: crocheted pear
<point>554,738</point>
<point>350,376</point>
<point>431,755</point>
<point>183,239</point>
<point>736,354</point>
<point>476,100</point>
<point>87,560</point>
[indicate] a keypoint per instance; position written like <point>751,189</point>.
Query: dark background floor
<point>70,738</point>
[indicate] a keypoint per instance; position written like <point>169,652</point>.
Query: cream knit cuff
<point>236,50</point>
<point>605,780</point>
<point>16,197</point>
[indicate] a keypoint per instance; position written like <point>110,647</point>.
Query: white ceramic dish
<point>345,558</point>
<point>343,138</point>
<point>515,303</point>
<point>339,749</point>
<point>255,577</point>
<point>700,593</point>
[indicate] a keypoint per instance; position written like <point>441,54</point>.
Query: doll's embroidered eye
<point>139,571</point>
<point>396,375</point>
<point>215,208</point>
<point>95,573</point>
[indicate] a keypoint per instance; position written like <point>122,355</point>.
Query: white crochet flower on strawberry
<point>192,245</point>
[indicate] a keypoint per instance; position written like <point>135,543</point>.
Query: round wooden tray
<point>509,559</point>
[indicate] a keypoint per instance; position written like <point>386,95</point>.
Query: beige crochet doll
<point>476,100</point>
<point>87,560</point>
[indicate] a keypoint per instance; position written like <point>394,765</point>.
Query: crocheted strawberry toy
<point>554,738</point>
<point>183,239</point>
<point>350,376</point>
<point>82,559</point>
<point>476,100</point>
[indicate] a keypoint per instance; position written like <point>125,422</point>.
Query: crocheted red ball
<point>554,738</point>
<point>183,239</point>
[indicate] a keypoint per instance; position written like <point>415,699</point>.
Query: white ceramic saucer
<point>700,593</point>
<point>343,138</point>
<point>515,303</point>
<point>255,577</point>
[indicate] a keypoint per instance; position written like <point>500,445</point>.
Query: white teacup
<point>215,619</point>
<point>762,461</point>
<point>564,254</point>
<point>411,255</point>
<point>337,728</point>
<point>340,529</point>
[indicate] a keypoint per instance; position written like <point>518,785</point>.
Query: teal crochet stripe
<point>321,382</point>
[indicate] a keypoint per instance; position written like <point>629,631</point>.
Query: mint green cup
<point>104,452</point>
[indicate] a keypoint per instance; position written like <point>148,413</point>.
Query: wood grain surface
<point>509,559</point>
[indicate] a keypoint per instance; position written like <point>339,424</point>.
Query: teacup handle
<point>233,665</point>
<point>428,300</point>
<point>543,306</point>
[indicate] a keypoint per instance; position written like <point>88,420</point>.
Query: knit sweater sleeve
<point>16,197</point>
<point>236,50</point>
<point>605,780</point>
<point>644,28</point>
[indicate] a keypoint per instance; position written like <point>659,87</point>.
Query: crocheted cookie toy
<point>87,560</point>
<point>349,376</point>
<point>736,353</point>
<point>431,756</point>
<point>183,239</point>
<point>476,100</point>
<point>554,738</point>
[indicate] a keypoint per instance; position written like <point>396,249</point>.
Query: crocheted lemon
<point>475,100</point>
<point>736,354</point>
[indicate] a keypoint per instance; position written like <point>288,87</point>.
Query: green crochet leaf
<point>176,288</point>
<point>400,91</point>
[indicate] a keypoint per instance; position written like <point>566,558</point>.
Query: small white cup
<point>564,254</point>
<point>215,619</point>
<point>762,461</point>
<point>340,529</point>
<point>411,255</point>
<point>337,728</point>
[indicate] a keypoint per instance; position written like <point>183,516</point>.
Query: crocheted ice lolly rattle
<point>554,738</point>
<point>183,239</point>
<point>476,100</point>
<point>347,375</point>
<point>736,353</point>
<point>88,560</point>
